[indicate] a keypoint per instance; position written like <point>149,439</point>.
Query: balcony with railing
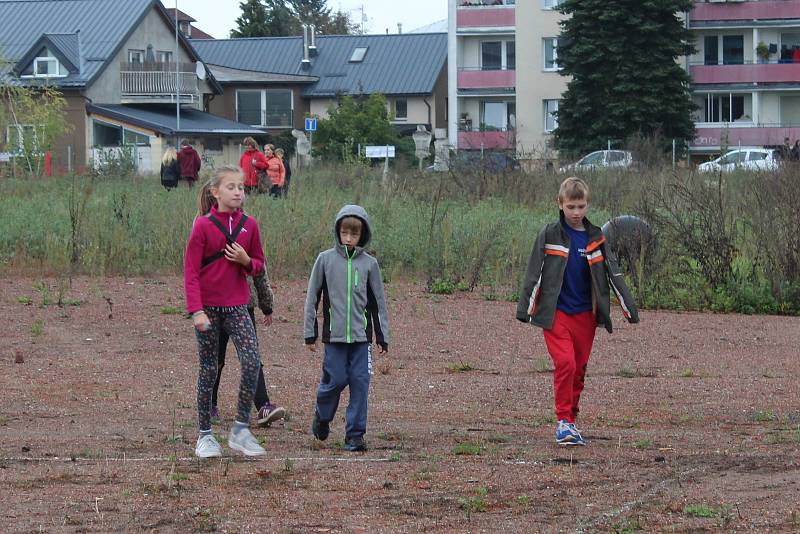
<point>477,78</point>
<point>158,82</point>
<point>713,136</point>
<point>485,14</point>
<point>746,72</point>
<point>487,139</point>
<point>744,11</point>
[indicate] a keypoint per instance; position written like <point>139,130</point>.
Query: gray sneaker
<point>207,447</point>
<point>244,442</point>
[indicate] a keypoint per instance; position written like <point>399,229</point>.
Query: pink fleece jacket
<point>223,282</point>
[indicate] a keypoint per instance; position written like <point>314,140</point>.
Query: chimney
<point>312,46</point>
<point>305,64</point>
<point>399,27</point>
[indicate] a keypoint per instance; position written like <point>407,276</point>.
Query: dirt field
<point>692,423</point>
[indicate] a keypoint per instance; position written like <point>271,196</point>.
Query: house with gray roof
<point>122,74</point>
<point>275,82</point>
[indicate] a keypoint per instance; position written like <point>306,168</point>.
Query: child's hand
<point>312,347</point>
<point>237,254</point>
<point>267,320</point>
<point>381,350</point>
<point>201,322</point>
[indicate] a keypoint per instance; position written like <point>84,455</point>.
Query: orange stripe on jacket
<point>594,244</point>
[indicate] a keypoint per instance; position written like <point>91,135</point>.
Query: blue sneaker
<point>564,433</point>
<point>577,434</point>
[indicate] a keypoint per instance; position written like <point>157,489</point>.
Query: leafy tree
<point>35,117</point>
<point>277,18</point>
<point>626,80</point>
<point>253,20</point>
<point>358,120</point>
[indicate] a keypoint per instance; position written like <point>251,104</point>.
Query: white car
<point>600,159</point>
<point>749,159</point>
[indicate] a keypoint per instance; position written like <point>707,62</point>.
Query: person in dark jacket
<point>170,170</point>
<point>287,168</point>
<point>566,291</point>
<point>189,161</point>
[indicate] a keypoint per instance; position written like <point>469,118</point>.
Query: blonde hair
<point>269,146</point>
<point>170,155</point>
<point>279,151</point>
<point>249,141</point>
<point>205,200</point>
<point>573,188</point>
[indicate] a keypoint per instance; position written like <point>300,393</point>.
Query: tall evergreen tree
<point>253,20</point>
<point>280,19</point>
<point>623,57</point>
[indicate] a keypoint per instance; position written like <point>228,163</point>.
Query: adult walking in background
<point>275,170</point>
<point>288,171</point>
<point>189,161</point>
<point>253,163</point>
<point>170,170</point>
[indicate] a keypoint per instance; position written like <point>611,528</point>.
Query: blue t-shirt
<point>576,288</point>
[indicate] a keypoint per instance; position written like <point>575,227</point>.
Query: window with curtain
<point>550,120</point>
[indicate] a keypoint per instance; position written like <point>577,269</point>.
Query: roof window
<point>358,54</point>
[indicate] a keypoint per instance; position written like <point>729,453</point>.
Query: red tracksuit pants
<point>569,343</point>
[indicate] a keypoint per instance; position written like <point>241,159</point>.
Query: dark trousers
<point>346,364</point>
<point>261,397</point>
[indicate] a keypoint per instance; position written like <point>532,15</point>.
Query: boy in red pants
<point>566,291</point>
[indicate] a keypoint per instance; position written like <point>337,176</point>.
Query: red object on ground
<point>48,163</point>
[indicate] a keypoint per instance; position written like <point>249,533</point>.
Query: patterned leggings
<point>238,325</point>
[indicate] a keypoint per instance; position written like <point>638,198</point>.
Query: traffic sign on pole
<point>311,124</point>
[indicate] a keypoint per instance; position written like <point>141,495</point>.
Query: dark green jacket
<point>545,273</point>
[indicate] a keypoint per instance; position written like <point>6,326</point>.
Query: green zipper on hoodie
<point>349,289</point>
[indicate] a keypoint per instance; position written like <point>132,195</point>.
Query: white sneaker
<point>244,442</point>
<point>207,447</point>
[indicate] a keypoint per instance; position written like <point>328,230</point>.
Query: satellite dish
<point>200,69</point>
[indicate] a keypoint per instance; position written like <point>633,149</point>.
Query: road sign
<point>379,151</point>
<point>311,124</point>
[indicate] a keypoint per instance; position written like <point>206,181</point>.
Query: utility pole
<point>177,80</point>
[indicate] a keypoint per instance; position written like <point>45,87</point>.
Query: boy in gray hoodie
<point>348,280</point>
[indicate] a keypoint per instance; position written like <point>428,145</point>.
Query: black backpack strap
<point>229,238</point>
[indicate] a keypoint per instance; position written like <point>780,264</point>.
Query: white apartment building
<point>504,81</point>
<point>745,73</point>
<point>495,99</point>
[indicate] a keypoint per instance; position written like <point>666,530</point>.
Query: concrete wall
<point>534,84</point>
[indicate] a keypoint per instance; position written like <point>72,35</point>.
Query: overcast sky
<point>218,17</point>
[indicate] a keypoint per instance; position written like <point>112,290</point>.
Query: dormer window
<point>185,27</point>
<point>358,55</point>
<point>45,67</point>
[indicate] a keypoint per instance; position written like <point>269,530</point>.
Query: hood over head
<point>353,210</point>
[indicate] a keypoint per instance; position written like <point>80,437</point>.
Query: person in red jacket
<point>189,162</point>
<point>224,248</point>
<point>275,170</point>
<point>251,162</point>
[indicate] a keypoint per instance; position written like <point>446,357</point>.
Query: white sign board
<point>6,156</point>
<point>379,151</point>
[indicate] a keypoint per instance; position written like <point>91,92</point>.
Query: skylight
<point>358,55</point>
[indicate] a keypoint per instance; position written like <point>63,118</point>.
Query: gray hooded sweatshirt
<point>351,289</point>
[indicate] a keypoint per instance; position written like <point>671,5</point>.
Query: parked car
<point>751,159</point>
<point>600,159</point>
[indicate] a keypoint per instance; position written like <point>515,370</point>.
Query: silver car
<point>600,159</point>
<point>749,159</point>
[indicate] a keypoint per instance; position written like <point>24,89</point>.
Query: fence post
<point>69,159</point>
<point>673,153</point>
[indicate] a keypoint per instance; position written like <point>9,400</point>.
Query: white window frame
<point>550,5</point>
<point>134,51</point>
<point>503,52</point>
<point>17,130</point>
<point>164,56</point>
<point>548,114</point>
<point>556,66</point>
<point>263,110</point>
